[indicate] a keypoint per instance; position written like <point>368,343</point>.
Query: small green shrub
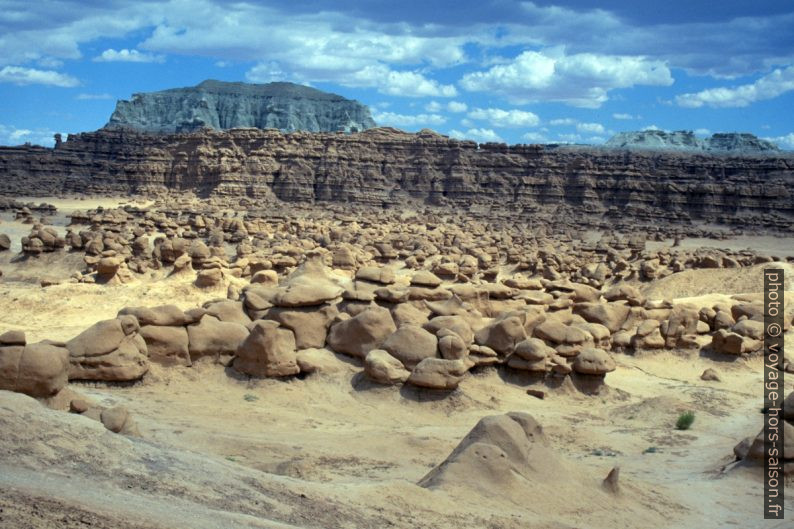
<point>650,450</point>
<point>250,398</point>
<point>685,420</point>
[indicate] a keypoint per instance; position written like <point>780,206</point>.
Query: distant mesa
<point>684,140</point>
<point>222,105</point>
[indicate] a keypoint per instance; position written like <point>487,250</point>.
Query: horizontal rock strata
<point>385,167</point>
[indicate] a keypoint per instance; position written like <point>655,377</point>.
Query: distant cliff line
<point>384,167</point>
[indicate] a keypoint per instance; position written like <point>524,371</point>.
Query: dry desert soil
<point>332,449</point>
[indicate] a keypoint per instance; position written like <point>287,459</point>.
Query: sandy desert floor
<point>334,450</point>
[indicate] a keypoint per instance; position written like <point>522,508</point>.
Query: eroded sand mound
<point>503,455</point>
<point>125,482</point>
<point>699,282</point>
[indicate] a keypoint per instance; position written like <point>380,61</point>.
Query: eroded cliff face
<point>220,105</point>
<point>385,167</point>
<point>724,142</point>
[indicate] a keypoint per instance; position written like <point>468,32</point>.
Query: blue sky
<point>489,70</point>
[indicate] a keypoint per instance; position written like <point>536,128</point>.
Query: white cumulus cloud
<point>535,137</point>
<point>505,118</point>
<point>769,86</point>
<point>581,80</point>
<point>457,106</point>
<point>126,55</point>
<point>406,120</point>
<point>93,97</point>
<point>11,135</point>
<point>785,142</point>
<point>379,76</point>
<point>481,135</point>
<point>592,128</point>
<point>25,76</point>
<point>624,116</point>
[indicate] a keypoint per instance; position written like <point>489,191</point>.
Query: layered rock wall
<point>221,106</point>
<point>385,167</point>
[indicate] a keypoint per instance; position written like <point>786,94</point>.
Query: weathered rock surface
<point>358,335</point>
<point>110,350</point>
<point>383,368</point>
<point>500,456</point>
<point>38,369</point>
<point>221,105</point>
<point>687,141</point>
<point>269,351</point>
<point>384,166</point>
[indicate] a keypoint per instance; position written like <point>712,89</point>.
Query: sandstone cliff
<point>220,105</point>
<point>385,167</point>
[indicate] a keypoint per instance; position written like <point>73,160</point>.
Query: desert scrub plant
<point>250,398</point>
<point>685,420</point>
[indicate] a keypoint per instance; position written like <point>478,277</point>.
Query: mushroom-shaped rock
<point>109,350</point>
<point>407,313</point>
<point>375,274</point>
<point>437,373</point>
<point>392,294</point>
<point>749,328</point>
<point>451,346</point>
<point>383,368</point>
<point>625,292</point>
<point>167,345</point>
<point>306,295</point>
<point>531,355</point>
<point>268,351</point>
<point>567,340</point>
<point>682,322</point>
<point>265,277</point>
<point>727,342</point>
<point>208,278</point>
<point>502,334</point>
<point>321,361</point>
<point>309,324</point>
<point>213,338</point>
<point>360,334</point>
<point>228,311</point>
<point>451,306</point>
<point>648,336</point>
<point>457,324</point>
<point>594,361</point>
<point>168,315</point>
<point>425,278</point>
<point>12,338</point>
<point>410,344</point>
<point>533,350</point>
<point>610,315</point>
<point>107,267</point>
<point>37,369</point>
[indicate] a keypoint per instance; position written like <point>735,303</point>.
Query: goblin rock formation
<point>219,105</point>
<point>683,140</point>
<point>384,167</point>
